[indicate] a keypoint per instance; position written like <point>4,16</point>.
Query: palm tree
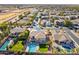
<point>67,23</point>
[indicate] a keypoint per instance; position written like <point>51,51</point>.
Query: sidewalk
<point>74,33</point>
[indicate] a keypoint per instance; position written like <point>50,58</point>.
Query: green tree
<point>20,17</point>
<point>26,13</point>
<point>24,35</point>
<point>53,19</point>
<point>4,29</point>
<point>4,26</point>
<point>67,23</point>
<point>61,14</point>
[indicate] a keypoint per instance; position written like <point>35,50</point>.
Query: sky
<point>39,1</point>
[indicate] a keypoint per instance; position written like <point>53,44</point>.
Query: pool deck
<point>3,40</point>
<point>5,45</point>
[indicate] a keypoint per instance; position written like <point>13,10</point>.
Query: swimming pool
<point>32,47</point>
<point>4,46</point>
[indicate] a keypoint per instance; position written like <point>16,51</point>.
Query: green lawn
<point>14,38</point>
<point>18,47</point>
<point>43,49</point>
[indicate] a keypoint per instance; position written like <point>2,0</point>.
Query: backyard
<point>18,47</point>
<point>43,48</point>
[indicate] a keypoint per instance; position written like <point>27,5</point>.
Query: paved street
<point>72,35</point>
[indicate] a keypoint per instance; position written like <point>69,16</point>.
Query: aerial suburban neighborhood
<point>39,29</point>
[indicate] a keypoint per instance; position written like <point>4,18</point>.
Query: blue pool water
<point>3,47</point>
<point>32,47</point>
